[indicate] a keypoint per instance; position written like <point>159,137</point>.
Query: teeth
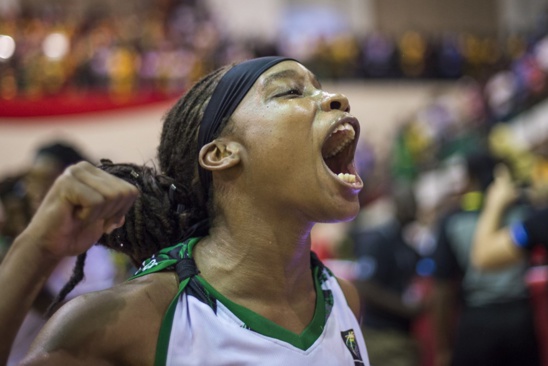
<point>348,178</point>
<point>349,137</point>
<point>336,150</point>
<point>345,126</point>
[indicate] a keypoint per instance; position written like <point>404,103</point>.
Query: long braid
<point>169,203</point>
<point>153,222</point>
<point>77,276</point>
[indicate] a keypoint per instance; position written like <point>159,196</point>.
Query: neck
<point>250,248</point>
<point>258,255</point>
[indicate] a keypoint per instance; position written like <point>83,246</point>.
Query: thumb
<point>113,224</point>
<point>502,173</point>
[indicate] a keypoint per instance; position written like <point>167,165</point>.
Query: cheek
<point>285,152</point>
<point>279,133</point>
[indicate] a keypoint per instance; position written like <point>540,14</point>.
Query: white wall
<point>517,16</point>
<point>242,18</point>
<point>245,19</point>
<point>262,18</point>
<point>130,135</point>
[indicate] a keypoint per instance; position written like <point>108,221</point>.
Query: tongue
<point>333,165</point>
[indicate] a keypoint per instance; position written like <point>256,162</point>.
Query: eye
<point>293,92</point>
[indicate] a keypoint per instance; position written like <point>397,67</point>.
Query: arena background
<point>415,105</point>
<point>130,134</point>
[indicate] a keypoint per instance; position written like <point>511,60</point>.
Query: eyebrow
<point>288,74</point>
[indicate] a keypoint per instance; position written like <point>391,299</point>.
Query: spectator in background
<point>450,59</point>
<point>49,163</point>
<point>500,92</point>
<point>379,56</point>
<point>495,325</point>
<point>496,247</point>
<point>413,52</point>
<point>386,270</point>
<point>14,210</point>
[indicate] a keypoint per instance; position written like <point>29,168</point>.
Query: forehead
<point>45,165</point>
<point>283,71</point>
<point>271,80</point>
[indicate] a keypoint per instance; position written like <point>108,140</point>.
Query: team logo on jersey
<point>349,339</point>
<point>147,264</point>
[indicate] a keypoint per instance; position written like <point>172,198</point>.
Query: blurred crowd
<point>504,114</point>
<point>413,55</point>
<point>162,47</point>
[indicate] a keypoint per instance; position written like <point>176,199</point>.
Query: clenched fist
<point>83,203</point>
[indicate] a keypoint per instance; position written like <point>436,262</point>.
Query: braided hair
<point>178,149</point>
<point>154,221</point>
<point>171,202</point>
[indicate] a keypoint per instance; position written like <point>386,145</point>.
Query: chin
<point>342,213</point>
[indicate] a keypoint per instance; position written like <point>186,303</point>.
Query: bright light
<point>7,47</point>
<point>56,46</point>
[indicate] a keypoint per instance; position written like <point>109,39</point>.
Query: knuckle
<point>77,169</point>
<point>128,189</point>
<point>71,170</point>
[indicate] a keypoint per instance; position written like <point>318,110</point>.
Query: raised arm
<point>493,245</point>
<point>83,203</point>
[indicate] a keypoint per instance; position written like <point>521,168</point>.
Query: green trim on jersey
<point>162,344</point>
<point>161,260</point>
<point>164,261</point>
<point>268,328</point>
<point>157,263</point>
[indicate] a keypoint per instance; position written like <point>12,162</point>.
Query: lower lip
<point>357,185</point>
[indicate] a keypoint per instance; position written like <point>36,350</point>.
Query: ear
<point>219,155</point>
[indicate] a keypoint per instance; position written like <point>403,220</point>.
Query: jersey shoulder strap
<point>175,258</point>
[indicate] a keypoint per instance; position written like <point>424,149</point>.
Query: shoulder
<point>351,294</point>
<point>115,326</point>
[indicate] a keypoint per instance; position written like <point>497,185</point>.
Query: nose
<point>335,101</point>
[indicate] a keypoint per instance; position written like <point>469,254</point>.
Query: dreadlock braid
<point>75,278</point>
<point>155,220</point>
<point>178,149</point>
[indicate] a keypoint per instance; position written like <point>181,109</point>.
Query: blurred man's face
<point>40,178</point>
<point>14,215</point>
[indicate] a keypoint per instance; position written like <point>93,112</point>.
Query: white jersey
<point>202,327</point>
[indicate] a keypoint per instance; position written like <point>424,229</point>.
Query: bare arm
<point>82,204</point>
<point>23,274</point>
<point>493,246</point>
<point>83,332</point>
<point>352,296</point>
<point>117,326</point>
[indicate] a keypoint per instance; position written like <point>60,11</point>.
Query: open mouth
<point>338,152</point>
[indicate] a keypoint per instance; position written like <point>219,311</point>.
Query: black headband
<point>227,95</point>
